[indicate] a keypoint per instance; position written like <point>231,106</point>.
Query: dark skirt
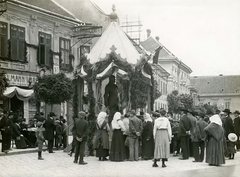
<point>100,152</point>
<point>20,143</point>
<point>117,152</point>
<point>147,148</point>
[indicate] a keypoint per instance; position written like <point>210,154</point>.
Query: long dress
<point>162,132</point>
<point>117,152</point>
<point>103,148</point>
<point>215,141</point>
<point>147,140</point>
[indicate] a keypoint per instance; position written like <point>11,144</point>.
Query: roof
<point>151,44</point>
<point>164,55</point>
<point>49,5</point>
<point>114,39</point>
<point>216,84</point>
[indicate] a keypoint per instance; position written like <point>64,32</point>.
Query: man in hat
<point>49,126</point>
<point>237,127</point>
<point>80,132</point>
<point>201,125</point>
<point>228,125</point>
<point>183,133</point>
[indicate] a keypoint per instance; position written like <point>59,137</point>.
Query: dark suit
<point>228,126</point>
<point>135,125</point>
<point>49,133</point>
<point>184,126</point>
<point>6,132</point>
<point>80,131</point>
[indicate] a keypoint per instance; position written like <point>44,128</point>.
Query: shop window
<point>64,48</point>
<point>44,48</point>
<point>17,37</point>
<point>3,39</point>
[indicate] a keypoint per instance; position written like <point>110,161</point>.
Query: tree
<point>3,83</point>
<point>53,89</point>
<point>186,101</point>
<point>173,102</point>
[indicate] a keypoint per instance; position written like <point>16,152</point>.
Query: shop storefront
<point>19,96</point>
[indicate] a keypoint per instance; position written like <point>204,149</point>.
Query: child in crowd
<point>40,139</point>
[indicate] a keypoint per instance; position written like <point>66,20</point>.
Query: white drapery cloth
<point>22,94</point>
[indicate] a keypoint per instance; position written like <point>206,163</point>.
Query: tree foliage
<point>173,102</point>
<point>139,92</point>
<point>186,101</point>
<point>176,101</point>
<point>53,89</point>
<point>3,83</point>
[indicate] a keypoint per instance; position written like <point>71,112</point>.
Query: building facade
<point>161,77</point>
<point>36,37</point>
<point>179,78</point>
<point>221,91</point>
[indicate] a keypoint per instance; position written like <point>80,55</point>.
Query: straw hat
<point>232,137</point>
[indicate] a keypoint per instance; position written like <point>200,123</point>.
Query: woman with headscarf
<point>102,150</point>
<point>215,141</point>
<point>162,134</point>
<point>117,152</point>
<point>147,137</point>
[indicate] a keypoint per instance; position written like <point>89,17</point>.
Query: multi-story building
<point>179,78</point>
<point>36,36</point>
<point>161,77</point>
<point>221,91</point>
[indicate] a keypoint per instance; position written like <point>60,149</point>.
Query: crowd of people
<point>132,137</point>
<point>39,130</point>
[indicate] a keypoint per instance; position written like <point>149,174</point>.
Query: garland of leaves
<point>75,98</point>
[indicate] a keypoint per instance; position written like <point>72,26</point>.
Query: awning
<point>109,71</point>
<point>22,94</point>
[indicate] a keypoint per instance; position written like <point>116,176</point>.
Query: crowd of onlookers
<point>15,131</point>
<point>132,137</point>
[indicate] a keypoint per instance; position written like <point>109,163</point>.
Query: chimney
<point>157,38</point>
<point>148,33</point>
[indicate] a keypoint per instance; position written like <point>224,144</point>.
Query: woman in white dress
<point>162,134</point>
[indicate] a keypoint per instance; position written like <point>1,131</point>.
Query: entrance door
<point>16,105</point>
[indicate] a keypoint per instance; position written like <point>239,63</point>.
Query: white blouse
<point>162,123</point>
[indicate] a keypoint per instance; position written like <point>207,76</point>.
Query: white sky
<point>204,34</point>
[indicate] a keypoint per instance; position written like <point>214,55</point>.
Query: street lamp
<point>3,6</point>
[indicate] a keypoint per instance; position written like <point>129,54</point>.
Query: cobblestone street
<point>60,164</point>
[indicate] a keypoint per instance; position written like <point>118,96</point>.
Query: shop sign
<point>20,80</point>
<point>56,65</point>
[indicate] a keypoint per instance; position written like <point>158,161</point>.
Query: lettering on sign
<point>20,80</point>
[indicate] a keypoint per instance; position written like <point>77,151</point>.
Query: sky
<point>204,34</point>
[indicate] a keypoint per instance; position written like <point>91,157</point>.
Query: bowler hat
<point>227,111</point>
<point>232,137</point>
<point>236,112</point>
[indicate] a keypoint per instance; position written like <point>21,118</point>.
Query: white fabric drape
<point>22,94</point>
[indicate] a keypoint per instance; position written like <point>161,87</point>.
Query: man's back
<point>135,125</point>
<point>81,128</point>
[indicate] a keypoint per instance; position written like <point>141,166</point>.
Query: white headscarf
<point>101,117</point>
<point>117,116</point>
<point>216,119</point>
<point>148,117</point>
